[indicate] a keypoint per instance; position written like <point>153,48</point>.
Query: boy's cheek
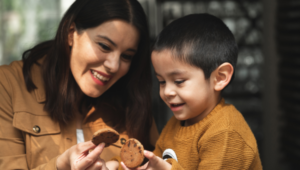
<point>162,96</point>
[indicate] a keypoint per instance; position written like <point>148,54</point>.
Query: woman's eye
<point>127,57</point>
<point>179,81</point>
<point>104,47</point>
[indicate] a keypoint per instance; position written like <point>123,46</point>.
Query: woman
<point>94,74</point>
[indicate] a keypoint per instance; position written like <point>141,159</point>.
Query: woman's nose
<point>112,62</point>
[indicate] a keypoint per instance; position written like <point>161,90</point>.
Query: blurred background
<point>266,88</point>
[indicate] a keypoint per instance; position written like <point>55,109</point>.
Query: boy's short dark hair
<point>201,40</point>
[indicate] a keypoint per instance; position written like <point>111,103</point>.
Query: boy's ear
<point>222,76</point>
<point>71,34</point>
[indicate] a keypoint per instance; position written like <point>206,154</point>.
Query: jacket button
<point>36,129</point>
<point>123,141</point>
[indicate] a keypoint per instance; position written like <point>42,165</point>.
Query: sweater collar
<point>185,131</point>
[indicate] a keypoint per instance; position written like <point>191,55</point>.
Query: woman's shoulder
<point>14,68</point>
<point>13,84</point>
<point>11,73</point>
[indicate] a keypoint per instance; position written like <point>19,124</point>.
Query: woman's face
<point>100,56</point>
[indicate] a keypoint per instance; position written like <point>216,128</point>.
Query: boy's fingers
<point>152,158</point>
<point>139,168</point>
<point>144,166</point>
<point>156,162</point>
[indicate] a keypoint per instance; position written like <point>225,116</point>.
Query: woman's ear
<point>71,34</point>
<point>222,76</point>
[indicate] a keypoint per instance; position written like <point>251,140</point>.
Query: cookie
<point>106,135</point>
<point>132,153</point>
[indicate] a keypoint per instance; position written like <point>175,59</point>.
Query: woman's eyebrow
<point>114,44</point>
<point>104,37</point>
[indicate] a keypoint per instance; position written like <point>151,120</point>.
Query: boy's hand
<point>154,162</point>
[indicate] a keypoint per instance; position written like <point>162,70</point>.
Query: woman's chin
<point>93,94</point>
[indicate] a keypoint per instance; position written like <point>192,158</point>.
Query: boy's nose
<point>112,62</point>
<point>169,92</point>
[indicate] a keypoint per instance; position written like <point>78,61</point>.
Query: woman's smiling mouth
<point>100,78</point>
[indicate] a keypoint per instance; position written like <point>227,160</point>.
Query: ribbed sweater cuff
<point>175,164</point>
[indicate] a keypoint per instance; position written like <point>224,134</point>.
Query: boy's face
<point>183,87</point>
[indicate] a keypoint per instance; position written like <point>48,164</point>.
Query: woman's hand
<point>78,157</point>
<point>154,162</point>
<point>112,165</point>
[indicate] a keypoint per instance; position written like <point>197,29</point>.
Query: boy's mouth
<point>176,107</point>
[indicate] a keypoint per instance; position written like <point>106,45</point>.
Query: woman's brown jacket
<point>29,138</point>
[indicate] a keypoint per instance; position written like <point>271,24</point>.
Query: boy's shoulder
<point>225,118</point>
<point>229,120</point>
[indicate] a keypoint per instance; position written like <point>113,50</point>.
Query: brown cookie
<point>132,153</point>
<point>106,135</point>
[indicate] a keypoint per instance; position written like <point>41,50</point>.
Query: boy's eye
<point>161,82</point>
<point>104,47</point>
<point>127,57</point>
<point>179,81</point>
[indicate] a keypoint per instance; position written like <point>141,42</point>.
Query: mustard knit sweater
<point>222,140</point>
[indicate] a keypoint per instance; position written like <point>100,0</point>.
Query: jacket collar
<point>37,78</point>
<point>39,92</point>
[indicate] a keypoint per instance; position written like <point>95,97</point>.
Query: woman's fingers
<point>86,146</point>
<point>98,165</point>
<point>87,159</point>
<point>113,164</point>
<point>79,157</point>
<point>97,151</point>
<point>84,149</point>
<point>124,166</point>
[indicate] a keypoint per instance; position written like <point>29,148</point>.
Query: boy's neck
<point>202,115</point>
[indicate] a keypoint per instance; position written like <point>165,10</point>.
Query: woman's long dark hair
<point>130,94</point>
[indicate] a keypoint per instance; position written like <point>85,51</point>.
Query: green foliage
<point>25,23</point>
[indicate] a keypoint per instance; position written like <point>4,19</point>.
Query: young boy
<point>194,59</point>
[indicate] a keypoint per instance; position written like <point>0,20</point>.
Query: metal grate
<point>288,45</point>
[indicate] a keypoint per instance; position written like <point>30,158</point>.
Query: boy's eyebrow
<point>156,74</point>
<point>113,43</point>
<point>173,73</point>
<point>176,72</point>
